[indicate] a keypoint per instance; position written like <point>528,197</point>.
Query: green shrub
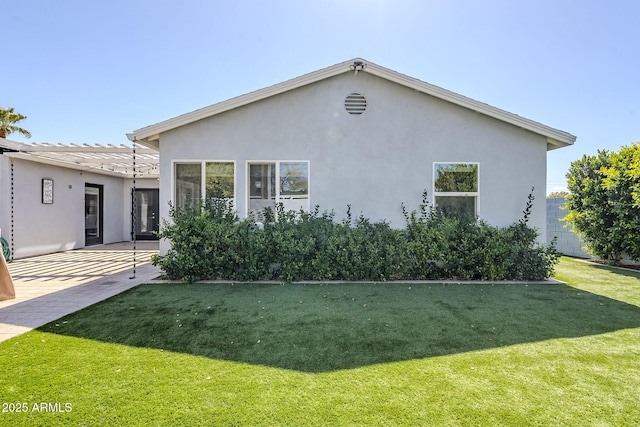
<point>207,241</point>
<point>210,242</point>
<point>440,245</point>
<point>604,202</point>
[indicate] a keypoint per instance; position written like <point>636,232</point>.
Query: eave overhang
<point>150,136</point>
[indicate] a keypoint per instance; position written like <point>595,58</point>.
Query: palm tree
<point>8,119</point>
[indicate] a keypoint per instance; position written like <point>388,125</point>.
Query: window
<point>285,182</point>
<point>219,181</point>
<point>216,178</point>
<point>456,187</point>
<point>188,179</point>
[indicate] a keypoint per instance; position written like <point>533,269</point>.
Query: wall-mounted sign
<point>47,191</point>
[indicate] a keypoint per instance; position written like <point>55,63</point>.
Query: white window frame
<point>475,194</point>
<point>278,197</point>
<point>203,177</point>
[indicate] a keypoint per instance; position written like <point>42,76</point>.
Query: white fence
<point>569,243</point>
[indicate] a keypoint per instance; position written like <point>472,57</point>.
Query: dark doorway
<point>93,214</point>
<point>145,213</point>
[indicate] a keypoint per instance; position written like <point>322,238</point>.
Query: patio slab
<point>51,286</point>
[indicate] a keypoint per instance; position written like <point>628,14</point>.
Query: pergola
<point>117,160</point>
<point>124,161</point>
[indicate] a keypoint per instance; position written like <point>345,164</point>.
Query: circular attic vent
<point>355,103</point>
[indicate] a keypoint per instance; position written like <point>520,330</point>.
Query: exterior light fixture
<point>358,66</point>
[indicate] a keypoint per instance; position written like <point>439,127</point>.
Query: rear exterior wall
<point>375,161</point>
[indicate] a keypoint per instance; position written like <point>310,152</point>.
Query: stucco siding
<point>374,161</point>
<point>40,228</point>
<point>5,196</point>
<point>44,228</point>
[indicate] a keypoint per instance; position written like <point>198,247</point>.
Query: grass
<point>393,354</point>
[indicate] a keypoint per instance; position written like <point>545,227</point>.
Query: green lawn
<point>389,354</point>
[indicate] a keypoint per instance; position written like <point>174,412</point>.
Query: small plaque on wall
<point>47,191</point>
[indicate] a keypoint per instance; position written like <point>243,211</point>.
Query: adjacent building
<point>56,197</point>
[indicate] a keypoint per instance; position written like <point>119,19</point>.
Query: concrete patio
<point>51,286</point>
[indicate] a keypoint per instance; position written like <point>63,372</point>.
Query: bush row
<point>211,242</point>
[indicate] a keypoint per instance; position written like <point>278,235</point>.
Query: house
<point>355,134</point>
<point>56,197</point>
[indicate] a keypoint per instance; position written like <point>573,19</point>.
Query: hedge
<point>211,242</point>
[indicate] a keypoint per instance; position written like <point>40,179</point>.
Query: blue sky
<point>89,72</point>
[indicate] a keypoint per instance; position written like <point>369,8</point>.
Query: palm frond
<point>8,119</point>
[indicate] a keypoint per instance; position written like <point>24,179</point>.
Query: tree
<point>8,120</point>
<point>604,204</point>
<point>557,194</point>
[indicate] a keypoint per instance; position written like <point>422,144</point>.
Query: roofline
<point>9,146</point>
<point>150,135</point>
<point>33,152</point>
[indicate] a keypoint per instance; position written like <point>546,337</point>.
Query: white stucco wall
<point>5,197</point>
<point>375,161</point>
<point>45,228</point>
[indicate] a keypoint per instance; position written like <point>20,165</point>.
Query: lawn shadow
<point>321,328</point>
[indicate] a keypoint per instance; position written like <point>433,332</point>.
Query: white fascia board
<point>10,145</point>
<point>149,136</point>
<point>560,138</point>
